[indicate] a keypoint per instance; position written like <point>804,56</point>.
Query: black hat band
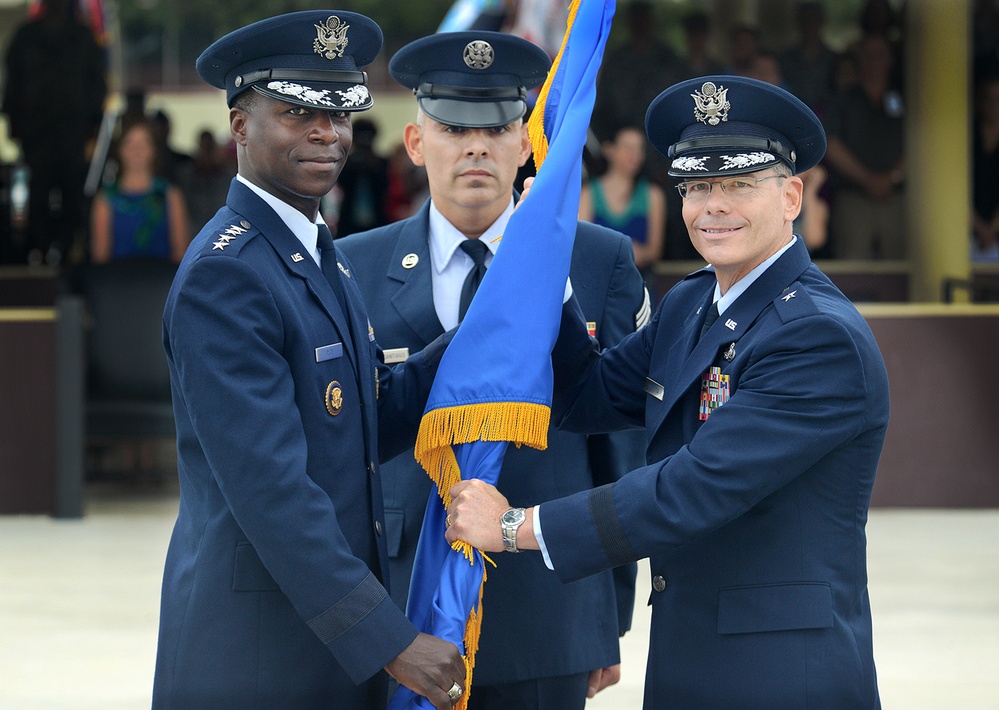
<point>437,91</point>
<point>325,77</point>
<point>770,145</point>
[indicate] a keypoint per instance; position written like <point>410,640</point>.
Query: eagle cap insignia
<point>478,54</point>
<point>331,39</point>
<point>711,104</point>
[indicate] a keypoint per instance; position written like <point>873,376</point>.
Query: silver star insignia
<point>788,297</point>
<point>219,245</point>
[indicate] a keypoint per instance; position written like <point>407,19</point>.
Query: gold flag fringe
<point>517,422</point>
<point>536,123</point>
<point>473,629</point>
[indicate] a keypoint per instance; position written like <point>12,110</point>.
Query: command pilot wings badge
<point>711,104</point>
<point>331,39</point>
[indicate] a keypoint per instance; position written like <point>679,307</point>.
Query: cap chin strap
<point>742,143</point>
<point>437,91</point>
<point>325,77</point>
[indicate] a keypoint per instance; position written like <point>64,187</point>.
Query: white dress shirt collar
<point>740,286</point>
<point>445,237</point>
<point>298,223</point>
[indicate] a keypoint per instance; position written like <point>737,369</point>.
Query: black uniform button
<point>658,583</point>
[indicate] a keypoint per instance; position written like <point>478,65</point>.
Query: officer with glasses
<point>764,399</point>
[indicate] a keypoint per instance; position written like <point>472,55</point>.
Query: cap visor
<point>473,114</point>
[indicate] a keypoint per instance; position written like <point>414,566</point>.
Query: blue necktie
<point>327,258</point>
<point>710,318</point>
<point>477,251</point>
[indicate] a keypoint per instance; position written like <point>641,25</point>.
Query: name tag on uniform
<point>654,388</point>
<point>329,352</point>
<point>395,355</point>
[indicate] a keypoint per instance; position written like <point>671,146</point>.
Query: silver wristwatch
<point>510,521</point>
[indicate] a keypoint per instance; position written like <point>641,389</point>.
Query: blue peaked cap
<point>310,58</point>
<point>475,79</point>
<point>730,125</point>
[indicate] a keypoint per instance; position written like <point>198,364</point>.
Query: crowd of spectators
<point>855,200</point>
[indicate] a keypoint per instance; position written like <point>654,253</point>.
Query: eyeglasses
<point>733,187</point>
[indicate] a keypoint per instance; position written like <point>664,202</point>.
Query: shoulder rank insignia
<point>789,296</point>
<point>331,38</point>
<point>644,314</point>
<point>227,236</point>
<point>714,392</point>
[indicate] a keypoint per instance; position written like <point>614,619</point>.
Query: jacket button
<point>371,468</point>
<point>378,527</point>
<point>658,583</point>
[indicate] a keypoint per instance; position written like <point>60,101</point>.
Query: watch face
<point>514,515</point>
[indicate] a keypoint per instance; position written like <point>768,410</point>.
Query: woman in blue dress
<point>624,200</point>
<point>139,214</point>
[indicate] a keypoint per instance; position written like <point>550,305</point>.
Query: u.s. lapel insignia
<point>297,257</point>
<point>711,104</point>
<point>334,398</point>
<point>331,38</point>
<point>410,260</point>
<point>730,324</point>
<point>346,272</point>
<point>729,354</point>
<point>714,392</point>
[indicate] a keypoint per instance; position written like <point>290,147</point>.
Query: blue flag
<point>475,411</point>
<point>474,15</point>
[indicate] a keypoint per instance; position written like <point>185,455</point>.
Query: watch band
<point>510,522</point>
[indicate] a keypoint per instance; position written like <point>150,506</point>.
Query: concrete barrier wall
<point>942,448</point>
